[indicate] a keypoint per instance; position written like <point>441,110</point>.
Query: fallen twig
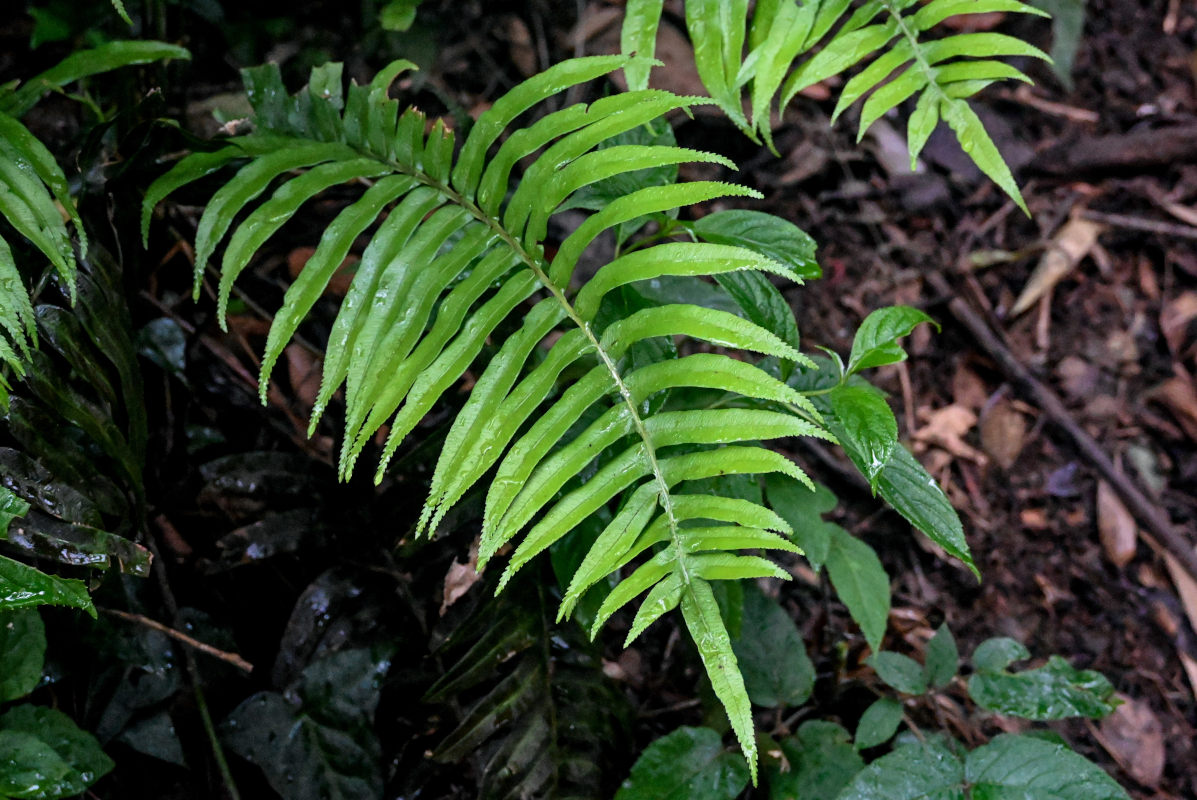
<point>227,657</point>
<point>1146,512</point>
<point>1140,224</point>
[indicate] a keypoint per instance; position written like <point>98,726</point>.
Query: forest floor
<point>1109,170</point>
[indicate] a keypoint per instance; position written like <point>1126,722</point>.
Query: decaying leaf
<point>1134,736</point>
<point>460,578</point>
<point>1070,244</point>
<point>1180,397</point>
<point>1119,535</point>
<point>1175,317</point>
<point>945,428</point>
<point>1003,433</point>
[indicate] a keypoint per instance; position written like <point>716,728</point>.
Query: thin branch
<point>1148,512</point>
<point>225,656</point>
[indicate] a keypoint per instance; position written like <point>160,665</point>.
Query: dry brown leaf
<point>1003,433</point>
<point>460,578</point>
<point>946,427</point>
<point>1078,378</point>
<point>1180,397</point>
<point>1175,317</point>
<point>303,370</point>
<point>1134,736</point>
<point>521,48</point>
<point>337,285</point>
<point>968,389</point>
<point>1070,244</point>
<point>1119,534</point>
<point>975,22</point>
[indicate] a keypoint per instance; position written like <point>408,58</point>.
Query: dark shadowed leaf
<point>878,723</point>
<point>803,510</point>
<point>821,763</point>
<point>322,745</point>
<point>771,653</point>
<point>44,754</point>
<point>861,582</point>
<point>22,652</point>
<point>943,658</point>
<point>688,764</point>
<point>763,233</point>
<point>901,672</point>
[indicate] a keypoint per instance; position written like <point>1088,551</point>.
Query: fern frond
<point>453,257</point>
<point>781,60</point>
<point>35,195</point>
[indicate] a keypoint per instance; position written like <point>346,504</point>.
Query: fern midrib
<point>913,38</point>
<point>533,263</point>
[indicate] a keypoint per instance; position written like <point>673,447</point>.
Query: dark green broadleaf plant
<point>43,753</point>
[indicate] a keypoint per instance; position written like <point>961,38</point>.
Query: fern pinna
<point>452,256</point>
<point>780,36</point>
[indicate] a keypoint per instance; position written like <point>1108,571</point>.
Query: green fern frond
<point>781,60</point>
<point>35,195</point>
<point>452,256</point>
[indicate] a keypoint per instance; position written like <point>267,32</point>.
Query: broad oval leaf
<point>688,764</point>
<point>878,723</point>
<point>771,653</point>
<point>1024,766</point>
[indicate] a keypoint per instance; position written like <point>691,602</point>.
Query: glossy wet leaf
<point>688,764</point>
<point>771,653</point>
<point>868,423</point>
<point>1023,766</point>
<point>155,736</point>
<point>22,586</point>
<point>44,754</point>
<point>861,583</point>
<point>321,743</point>
<point>901,672</point>
<point>1056,690</point>
<point>876,342</point>
<point>80,545</point>
<point>821,762</point>
<point>914,494</point>
<point>11,507</point>
<point>22,652</point>
<point>878,723</point>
